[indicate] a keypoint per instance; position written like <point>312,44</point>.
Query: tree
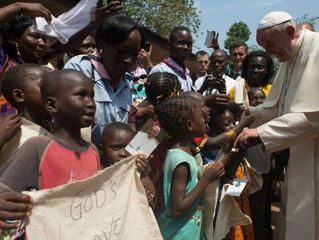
<point>161,16</point>
<point>238,32</point>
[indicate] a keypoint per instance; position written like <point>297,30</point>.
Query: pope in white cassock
<point>289,118</point>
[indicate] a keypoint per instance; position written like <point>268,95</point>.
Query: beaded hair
<point>161,85</point>
<point>174,112</point>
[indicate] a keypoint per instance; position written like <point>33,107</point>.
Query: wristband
<point>231,135</point>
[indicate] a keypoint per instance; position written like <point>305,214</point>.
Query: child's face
<point>198,122</point>
<point>256,97</point>
<point>113,146</point>
<point>33,103</point>
<point>224,123</point>
<point>75,104</point>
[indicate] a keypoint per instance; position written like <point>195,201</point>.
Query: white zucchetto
<point>273,18</point>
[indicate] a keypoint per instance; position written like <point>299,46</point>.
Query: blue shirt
<point>111,106</point>
<point>187,84</point>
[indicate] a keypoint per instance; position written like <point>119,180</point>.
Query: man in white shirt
<point>218,62</point>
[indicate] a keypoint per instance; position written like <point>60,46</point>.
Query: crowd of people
<point>231,119</point>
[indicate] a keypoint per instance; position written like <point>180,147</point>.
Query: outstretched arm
<point>55,47</point>
<point>29,9</point>
<point>282,132</point>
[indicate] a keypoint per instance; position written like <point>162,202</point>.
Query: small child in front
<point>116,136</point>
<point>48,161</point>
<point>181,218</point>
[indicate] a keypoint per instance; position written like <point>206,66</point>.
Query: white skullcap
<point>274,18</point>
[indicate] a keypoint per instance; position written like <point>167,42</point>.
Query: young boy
<point>21,88</point>
<point>116,136</point>
<point>50,160</point>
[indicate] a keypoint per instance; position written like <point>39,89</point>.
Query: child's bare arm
<point>150,191</point>
<point>181,202</point>
<point>216,142</point>
<point>13,206</point>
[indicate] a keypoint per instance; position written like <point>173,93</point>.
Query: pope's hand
<point>247,138</point>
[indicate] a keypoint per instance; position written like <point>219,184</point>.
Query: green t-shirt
<point>188,225</point>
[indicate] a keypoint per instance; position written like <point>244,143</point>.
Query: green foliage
<point>161,16</point>
<point>238,32</point>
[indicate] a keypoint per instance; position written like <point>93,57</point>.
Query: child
<point>181,218</point>
<point>223,122</point>
<point>116,136</point>
<point>21,88</point>
<point>48,161</point>
<point>159,86</point>
<point>260,160</point>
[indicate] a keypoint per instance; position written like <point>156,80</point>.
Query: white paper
<point>67,24</point>
<point>237,187</point>
<point>142,143</point>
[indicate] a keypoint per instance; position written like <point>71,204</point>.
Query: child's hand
<point>9,126</point>
<point>14,206</point>
<point>213,171</point>
<point>142,164</point>
<point>246,118</point>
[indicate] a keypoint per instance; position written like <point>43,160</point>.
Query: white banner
<point>108,206</point>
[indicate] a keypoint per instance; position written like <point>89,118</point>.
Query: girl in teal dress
<point>181,217</point>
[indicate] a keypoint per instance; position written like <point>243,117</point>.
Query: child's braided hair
<point>174,112</point>
<point>161,85</point>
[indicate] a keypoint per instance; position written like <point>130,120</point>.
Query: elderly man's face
<point>276,43</point>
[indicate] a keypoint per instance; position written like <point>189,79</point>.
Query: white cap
<point>274,18</point>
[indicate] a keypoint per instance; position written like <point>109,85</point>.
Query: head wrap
<point>274,18</point>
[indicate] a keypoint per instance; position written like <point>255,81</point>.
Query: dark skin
<point>218,62</point>
<point>256,97</point>
<point>72,111</point>
<point>86,46</point>
<point>179,201</point>
<point>119,58</point>
<point>223,123</point>
<point>35,48</point>
<point>257,70</point>
<point>73,108</point>
<point>181,46</point>
<point>29,104</point>
<point>114,141</point>
<point>28,99</point>
<point>217,141</point>
<point>9,127</point>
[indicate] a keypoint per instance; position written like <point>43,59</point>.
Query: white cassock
<point>292,111</point>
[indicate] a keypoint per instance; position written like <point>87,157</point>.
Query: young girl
<point>181,217</point>
<point>223,122</point>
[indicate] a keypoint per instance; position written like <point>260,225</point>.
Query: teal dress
<point>188,225</point>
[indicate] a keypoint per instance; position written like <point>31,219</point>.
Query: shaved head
<point>54,82</point>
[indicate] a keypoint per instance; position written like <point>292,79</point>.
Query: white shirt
<point>229,82</point>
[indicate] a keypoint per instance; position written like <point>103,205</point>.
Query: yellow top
<point>231,92</point>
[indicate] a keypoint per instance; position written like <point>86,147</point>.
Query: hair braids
<point>173,114</point>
